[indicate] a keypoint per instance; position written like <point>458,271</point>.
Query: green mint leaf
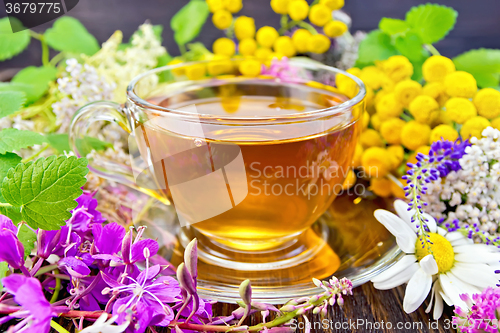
<point>376,46</point>
<point>12,139</point>
<point>28,90</point>
<point>60,142</point>
<point>28,238</point>
<point>13,213</point>
<point>46,189</point>
<point>10,102</point>
<point>189,20</point>
<point>393,26</point>
<point>38,77</point>
<point>4,269</point>
<point>410,46</point>
<point>431,22</point>
<point>69,35</point>
<point>8,161</point>
<point>12,44</point>
<point>163,60</point>
<point>484,64</point>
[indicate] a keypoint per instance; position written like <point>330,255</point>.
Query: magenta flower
<point>283,70</point>
<point>11,249</point>
<point>85,214</point>
<point>482,316</point>
<point>75,266</point>
<point>36,310</point>
<point>108,239</point>
<point>47,240</point>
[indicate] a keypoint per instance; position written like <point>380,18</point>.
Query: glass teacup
<point>249,161</point>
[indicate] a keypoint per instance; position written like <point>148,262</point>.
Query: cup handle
<point>106,168</point>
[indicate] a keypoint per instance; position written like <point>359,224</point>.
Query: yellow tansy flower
<point>487,102</point>
<point>335,28</point>
<point>397,190</point>
<point>381,187</point>
<point>375,121</point>
<point>376,162</point>
<point>422,108</point>
<point>436,67</point>
<point>460,109</point>
<point>365,120</point>
<point>397,153</point>
<point>284,45</point>
<point>244,27</point>
<point>263,53</point>
<point>389,107</point>
<point>280,6</point>
<point>495,123</point>
<point>391,130</point>
<point>250,67</point>
<point>177,71</point>
<point>349,180</point>
<point>215,5</point>
<point>266,36</point>
<point>406,90</point>
<point>440,117</point>
<point>298,9</point>
<point>219,64</point>
<point>247,46</point>
<point>474,127</point>
<point>233,6</point>
<point>224,46</point>
<point>332,4</point>
<point>222,19</point>
<point>415,134</point>
<point>345,84</point>
<point>445,132</point>
<point>372,77</point>
<point>320,15</point>
<point>318,43</point>
<point>397,68</point>
<point>358,154</point>
<point>371,138</point>
<point>196,71</point>
<point>300,40</point>
<point>460,84</point>
<point>436,90</point>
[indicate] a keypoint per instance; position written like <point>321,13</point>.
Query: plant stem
<point>55,295</point>
<point>308,27</point>
<point>45,47</point>
<point>432,49</point>
<point>45,269</point>
<point>27,159</point>
<point>4,204</point>
<point>58,57</point>
<point>182,48</point>
<point>230,30</point>
<point>58,327</point>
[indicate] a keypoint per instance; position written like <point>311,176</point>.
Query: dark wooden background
<point>478,21</point>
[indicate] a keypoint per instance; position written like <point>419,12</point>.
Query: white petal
<point>417,290</point>
<point>478,257</point>
<point>395,269</point>
<point>479,275</point>
<point>431,222</point>
<point>445,298</point>
<point>451,292</point>
<point>463,287</point>
<point>460,242</point>
<point>483,248</point>
<point>401,208</point>
<point>438,304</point>
<point>405,236</point>
<point>429,265</point>
<point>399,279</point>
<point>433,292</point>
<point>454,235</point>
<point>441,231</point>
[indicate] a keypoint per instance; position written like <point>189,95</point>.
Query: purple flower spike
<point>75,267</point>
<point>108,239</point>
<point>11,249</point>
<point>28,293</point>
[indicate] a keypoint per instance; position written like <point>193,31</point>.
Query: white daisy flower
<point>101,325</point>
<point>456,265</point>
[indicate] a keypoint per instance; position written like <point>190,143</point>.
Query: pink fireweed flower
<point>283,70</point>
<point>484,312</point>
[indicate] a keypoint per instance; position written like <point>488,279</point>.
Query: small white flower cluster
<point>17,122</point>
<point>79,85</point>
<point>473,193</point>
<point>120,65</point>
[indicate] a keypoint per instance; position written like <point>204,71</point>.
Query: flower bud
<point>191,258</point>
<point>185,279</point>
<point>288,308</point>
<point>246,292</point>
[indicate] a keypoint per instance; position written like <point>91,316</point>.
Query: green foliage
<point>189,20</point>
<point>27,89</point>
<point>393,26</point>
<point>484,64</point>
<point>8,161</point>
<point>45,189</point>
<point>376,46</point>
<point>163,60</point>
<point>431,22</point>
<point>38,78</point>
<point>4,269</point>
<point>12,139</point>
<point>12,44</point>
<point>69,35</point>
<point>28,238</point>
<point>60,142</point>
<point>10,102</point>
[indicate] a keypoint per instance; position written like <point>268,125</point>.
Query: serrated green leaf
<point>393,26</point>
<point>7,161</point>
<point>409,45</point>
<point>61,143</point>
<point>4,269</point>
<point>10,102</point>
<point>28,238</point>
<point>38,77</point>
<point>13,213</point>
<point>164,76</point>
<point>28,89</point>
<point>12,44</point>
<point>431,22</point>
<point>12,139</point>
<point>46,189</point>
<point>69,35</point>
<point>189,20</point>
<point>376,46</point>
<point>484,64</point>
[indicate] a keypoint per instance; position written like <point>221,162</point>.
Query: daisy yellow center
<point>441,249</point>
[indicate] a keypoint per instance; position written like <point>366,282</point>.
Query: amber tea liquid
<point>292,173</point>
